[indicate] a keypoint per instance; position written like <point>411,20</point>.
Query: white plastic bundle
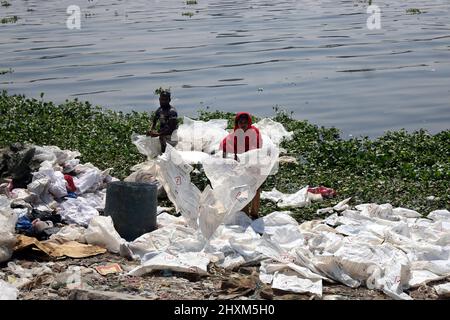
<point>8,221</point>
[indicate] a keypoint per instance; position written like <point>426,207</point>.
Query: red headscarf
<point>252,137</point>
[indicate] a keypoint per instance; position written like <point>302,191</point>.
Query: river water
<point>317,58</point>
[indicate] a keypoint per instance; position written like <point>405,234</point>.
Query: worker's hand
<point>153,133</point>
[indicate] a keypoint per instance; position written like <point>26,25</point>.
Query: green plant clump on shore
<point>2,72</point>
<point>400,168</point>
<point>414,11</point>
<point>12,19</point>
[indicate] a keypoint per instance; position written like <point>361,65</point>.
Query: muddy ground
<point>78,279</point>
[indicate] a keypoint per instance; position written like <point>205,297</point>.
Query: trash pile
<point>301,198</point>
<point>46,188</point>
<point>377,246</point>
<point>381,247</point>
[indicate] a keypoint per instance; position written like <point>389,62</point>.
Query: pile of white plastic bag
<point>233,183</point>
<point>48,192</point>
<point>380,247</point>
<point>7,229</point>
<point>7,291</point>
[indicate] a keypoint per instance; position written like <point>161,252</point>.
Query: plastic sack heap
<point>233,183</point>
<point>46,186</point>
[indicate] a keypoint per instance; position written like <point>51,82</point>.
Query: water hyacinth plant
<point>409,169</point>
<point>414,11</point>
<point>12,19</point>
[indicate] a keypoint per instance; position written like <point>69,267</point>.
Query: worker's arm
<point>152,131</point>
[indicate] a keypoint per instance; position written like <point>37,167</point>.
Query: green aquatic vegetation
<point>5,3</point>
<point>102,136</point>
<point>159,90</point>
<point>414,11</point>
<point>402,168</point>
<point>12,19</point>
<point>188,14</point>
<point>6,71</point>
<point>191,2</point>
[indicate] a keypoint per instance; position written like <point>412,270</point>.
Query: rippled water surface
<point>316,58</point>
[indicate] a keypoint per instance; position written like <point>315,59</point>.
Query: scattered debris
<point>80,294</point>
<point>58,250</point>
<point>109,269</point>
<point>443,290</point>
<point>7,291</point>
<point>287,159</point>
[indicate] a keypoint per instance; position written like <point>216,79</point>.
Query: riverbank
<point>405,169</point>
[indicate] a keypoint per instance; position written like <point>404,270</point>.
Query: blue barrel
<point>132,207</point>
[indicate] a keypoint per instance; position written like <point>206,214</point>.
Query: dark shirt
<point>167,120</point>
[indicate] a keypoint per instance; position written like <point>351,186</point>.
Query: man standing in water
<point>167,117</point>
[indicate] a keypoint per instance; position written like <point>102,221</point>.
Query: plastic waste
<point>287,159</point>
<point>290,281</point>
<point>39,187</point>
<point>7,291</point>
<point>96,200</point>
<point>8,221</point>
<point>299,199</point>
<point>54,155</point>
<point>439,215</point>
<point>193,157</point>
<point>26,274</point>
<point>162,240</point>
<point>201,136</point>
<point>70,165</point>
<point>323,191</point>
<point>174,175</point>
<point>58,185</point>
<point>165,219</point>
<point>145,173</point>
<point>19,194</point>
<point>101,232</point>
<point>270,222</point>
<point>149,146</point>
<point>189,262</point>
<point>234,184</point>
<point>342,206</point>
<point>443,290</point>
<point>71,233</point>
<point>90,180</point>
<point>377,246</point>
<point>78,211</point>
<point>24,224</point>
<point>274,130</point>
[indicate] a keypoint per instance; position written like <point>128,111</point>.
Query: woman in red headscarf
<point>244,137</point>
<point>243,140</point>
